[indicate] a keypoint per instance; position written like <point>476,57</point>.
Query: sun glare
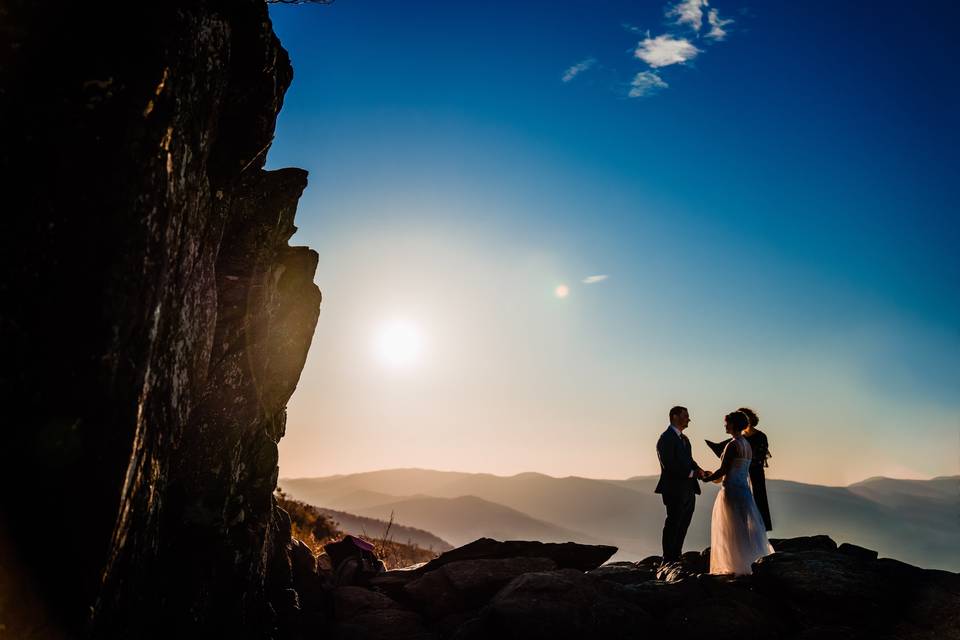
<point>561,291</point>
<point>399,344</point>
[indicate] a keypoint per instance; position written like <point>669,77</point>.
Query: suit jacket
<point>676,463</point>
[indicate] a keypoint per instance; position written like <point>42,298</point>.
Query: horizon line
<point>634,477</point>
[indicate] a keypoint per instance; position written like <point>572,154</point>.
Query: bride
<point>738,536</point>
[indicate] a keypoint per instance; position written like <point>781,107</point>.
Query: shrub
<point>315,529</point>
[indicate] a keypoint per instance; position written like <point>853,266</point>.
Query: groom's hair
<point>751,415</point>
<point>676,411</point>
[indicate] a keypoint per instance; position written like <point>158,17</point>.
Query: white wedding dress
<point>738,536</point>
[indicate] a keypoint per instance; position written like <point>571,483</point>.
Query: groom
<point>678,485</point>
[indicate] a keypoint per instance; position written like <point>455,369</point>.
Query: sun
<point>399,344</point>
<point>561,291</point>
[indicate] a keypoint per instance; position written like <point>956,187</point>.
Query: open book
<point>718,447</point>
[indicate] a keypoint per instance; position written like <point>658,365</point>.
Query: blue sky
<point>776,215</point>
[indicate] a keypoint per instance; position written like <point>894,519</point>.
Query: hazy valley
<point>917,521</point>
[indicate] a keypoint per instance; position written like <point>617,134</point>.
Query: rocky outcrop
<point>561,604</point>
<point>154,320</point>
<point>813,590</point>
<point>566,555</point>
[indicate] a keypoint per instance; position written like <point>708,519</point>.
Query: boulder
<point>928,600</point>
<point>324,564</point>
<point>302,560</point>
<point>468,583</point>
<point>826,587</point>
<point>308,582</point>
<point>450,624</point>
<point>720,619</point>
<point>857,552</point>
<point>689,565</point>
<point>362,614</point>
<point>832,633</point>
<point>660,598</point>
<point>725,585</point>
<point>434,595</point>
<point>393,582</point>
<point>387,624</point>
<point>560,604</point>
<point>838,590</point>
<point>566,555</point>
<point>348,602</point>
<point>766,607</point>
<point>804,543</point>
<point>488,576</point>
<point>624,572</point>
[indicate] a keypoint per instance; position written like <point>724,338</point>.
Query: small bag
<point>353,560</point>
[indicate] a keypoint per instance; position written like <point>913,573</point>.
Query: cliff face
<point>154,320</point>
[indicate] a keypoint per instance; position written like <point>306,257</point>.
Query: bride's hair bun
<point>751,415</point>
<point>737,419</point>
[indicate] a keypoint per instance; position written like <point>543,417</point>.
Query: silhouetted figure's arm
<point>726,460</point>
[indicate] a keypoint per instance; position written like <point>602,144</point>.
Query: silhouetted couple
<point>738,531</point>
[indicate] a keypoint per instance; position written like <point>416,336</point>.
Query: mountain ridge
<point>912,520</point>
<point>473,517</point>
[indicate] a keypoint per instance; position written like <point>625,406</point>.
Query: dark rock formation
<point>626,572</point>
<point>816,590</point>
<point>561,604</point>
<point>857,552</point>
<point>689,564</point>
<point>566,555</point>
<point>720,619</point>
<point>876,596</point>
<point>465,584</point>
<point>154,320</point>
<point>661,598</point>
<point>473,562</point>
<point>804,543</point>
<point>364,614</point>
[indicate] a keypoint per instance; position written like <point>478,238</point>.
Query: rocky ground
<point>810,588</point>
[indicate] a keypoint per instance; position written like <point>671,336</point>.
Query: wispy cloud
<point>577,69</point>
<point>646,83</point>
<point>595,279</point>
<point>692,28</point>
<point>689,12</point>
<point>717,24</point>
<point>665,50</point>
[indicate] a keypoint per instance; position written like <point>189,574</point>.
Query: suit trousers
<point>679,513</point>
<point>758,483</point>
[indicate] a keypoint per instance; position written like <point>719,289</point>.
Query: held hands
<point>702,474</point>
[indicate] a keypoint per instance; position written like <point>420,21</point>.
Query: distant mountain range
<point>917,521</point>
